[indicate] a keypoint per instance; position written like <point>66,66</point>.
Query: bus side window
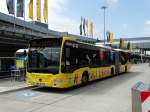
<point>66,60</point>
<point>111,57</point>
<point>67,52</point>
<point>67,57</point>
<point>101,55</point>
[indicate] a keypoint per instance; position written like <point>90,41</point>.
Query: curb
<point>17,89</point>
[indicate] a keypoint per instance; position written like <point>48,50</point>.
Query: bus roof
<point>122,50</point>
<point>102,45</point>
<point>72,37</point>
<point>79,41</point>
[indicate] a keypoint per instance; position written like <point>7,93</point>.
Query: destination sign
<point>45,43</point>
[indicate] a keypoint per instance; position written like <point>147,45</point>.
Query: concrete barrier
<point>141,97</point>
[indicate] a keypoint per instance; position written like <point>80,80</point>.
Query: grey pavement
<point>10,85</point>
<point>107,95</point>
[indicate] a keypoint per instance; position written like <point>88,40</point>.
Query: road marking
<point>27,95</point>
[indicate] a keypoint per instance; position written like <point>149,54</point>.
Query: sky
<point>125,18</point>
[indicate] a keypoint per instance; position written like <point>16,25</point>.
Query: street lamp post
<point>104,8</point>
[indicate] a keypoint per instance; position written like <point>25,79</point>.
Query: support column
<point>0,65</point>
<point>145,52</point>
<point>142,51</point>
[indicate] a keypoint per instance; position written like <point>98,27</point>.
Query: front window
<point>44,57</point>
<point>20,56</point>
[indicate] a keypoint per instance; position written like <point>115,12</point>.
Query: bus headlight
<point>57,81</point>
<point>27,79</point>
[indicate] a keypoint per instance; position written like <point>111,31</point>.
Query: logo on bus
<point>105,72</point>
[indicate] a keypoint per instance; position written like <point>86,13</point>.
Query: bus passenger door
<point>117,63</point>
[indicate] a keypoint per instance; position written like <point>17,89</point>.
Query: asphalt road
<point>107,95</point>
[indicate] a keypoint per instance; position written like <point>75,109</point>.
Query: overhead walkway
<point>141,43</point>
<point>17,31</point>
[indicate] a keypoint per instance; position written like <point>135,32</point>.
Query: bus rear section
<point>123,63</point>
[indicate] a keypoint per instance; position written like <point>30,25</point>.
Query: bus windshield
<point>44,57</point>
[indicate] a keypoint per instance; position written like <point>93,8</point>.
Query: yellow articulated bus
<point>66,62</point>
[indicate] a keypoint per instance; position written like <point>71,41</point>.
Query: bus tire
<point>85,78</point>
<point>112,71</point>
<point>126,70</point>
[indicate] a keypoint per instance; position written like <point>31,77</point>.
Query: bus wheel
<point>112,71</point>
<point>85,78</point>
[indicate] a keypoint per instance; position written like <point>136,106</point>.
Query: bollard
<point>140,97</point>
<point>145,101</point>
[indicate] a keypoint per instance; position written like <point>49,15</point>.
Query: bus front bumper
<point>47,80</point>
